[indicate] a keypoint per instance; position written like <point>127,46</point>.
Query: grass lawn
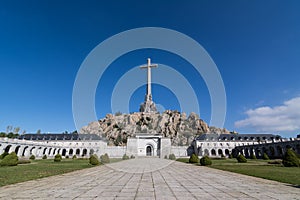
<point>258,168</point>
<point>38,169</point>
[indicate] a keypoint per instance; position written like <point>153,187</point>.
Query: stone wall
<point>179,151</point>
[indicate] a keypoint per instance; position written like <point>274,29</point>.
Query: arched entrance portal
<point>149,151</point>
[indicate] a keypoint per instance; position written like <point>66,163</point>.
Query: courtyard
<point>150,178</point>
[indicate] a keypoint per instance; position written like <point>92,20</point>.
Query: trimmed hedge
<point>3,155</point>
<point>266,157</point>
<point>290,159</point>
<point>32,157</point>
<point>10,160</point>
<point>204,161</point>
<point>94,160</point>
<point>253,157</point>
<point>74,157</point>
<point>104,158</point>
<point>172,157</point>
<point>241,159</point>
<point>57,158</point>
<point>44,157</point>
<point>194,159</point>
<point>125,157</point>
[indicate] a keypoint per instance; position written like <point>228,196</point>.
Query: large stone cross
<point>148,66</point>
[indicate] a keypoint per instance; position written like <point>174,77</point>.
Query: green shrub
<point>230,156</point>
<point>67,157</point>
<point>266,157</point>
<point>74,157</point>
<point>241,159</point>
<point>132,157</point>
<point>105,158</point>
<point>44,157</point>
<point>184,160</point>
<point>166,157</point>
<point>10,160</point>
<point>32,157</point>
<point>57,158</point>
<point>125,157</point>
<point>172,157</point>
<point>290,159</point>
<point>194,159</point>
<point>204,161</point>
<point>253,157</point>
<point>23,161</point>
<point>3,155</point>
<point>94,160</point>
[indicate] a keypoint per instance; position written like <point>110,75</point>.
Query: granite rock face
<point>173,124</point>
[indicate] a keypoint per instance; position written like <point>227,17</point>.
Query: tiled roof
<point>59,136</point>
<point>237,137</point>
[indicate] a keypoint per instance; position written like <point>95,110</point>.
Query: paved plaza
<point>150,178</point>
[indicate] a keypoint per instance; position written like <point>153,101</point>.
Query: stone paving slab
<point>150,178</point>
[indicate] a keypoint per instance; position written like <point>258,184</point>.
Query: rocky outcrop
<point>173,124</point>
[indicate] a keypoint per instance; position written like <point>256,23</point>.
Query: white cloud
<point>283,118</point>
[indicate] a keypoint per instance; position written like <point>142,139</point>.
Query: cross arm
<point>146,66</point>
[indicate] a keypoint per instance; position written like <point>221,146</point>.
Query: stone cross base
<point>148,107</point>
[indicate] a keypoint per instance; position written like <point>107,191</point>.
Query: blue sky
<point>255,45</point>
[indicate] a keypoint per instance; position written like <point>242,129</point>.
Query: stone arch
<point>71,152</point>
<point>271,152</point>
<point>279,150</point>
<point>77,152</point>
<point>92,151</point>
<point>39,151</point>
<point>227,152</point>
<point>25,151</point>
<point>246,150</point>
<point>206,152</point>
<point>213,152</point>
<point>220,152</point>
<point>84,152</point>
<point>258,152</point>
<point>32,151</point>
<point>44,151</point>
<point>52,151</point>
<point>235,152</point>
<point>17,149</point>
<point>149,150</point>
<point>7,148</point>
<point>55,151</point>
<point>63,153</point>
<point>265,150</point>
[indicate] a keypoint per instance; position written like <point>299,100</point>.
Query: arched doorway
<point>227,152</point>
<point>206,152</point>
<point>7,148</point>
<point>149,151</point>
<point>64,151</point>
<point>213,152</point>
